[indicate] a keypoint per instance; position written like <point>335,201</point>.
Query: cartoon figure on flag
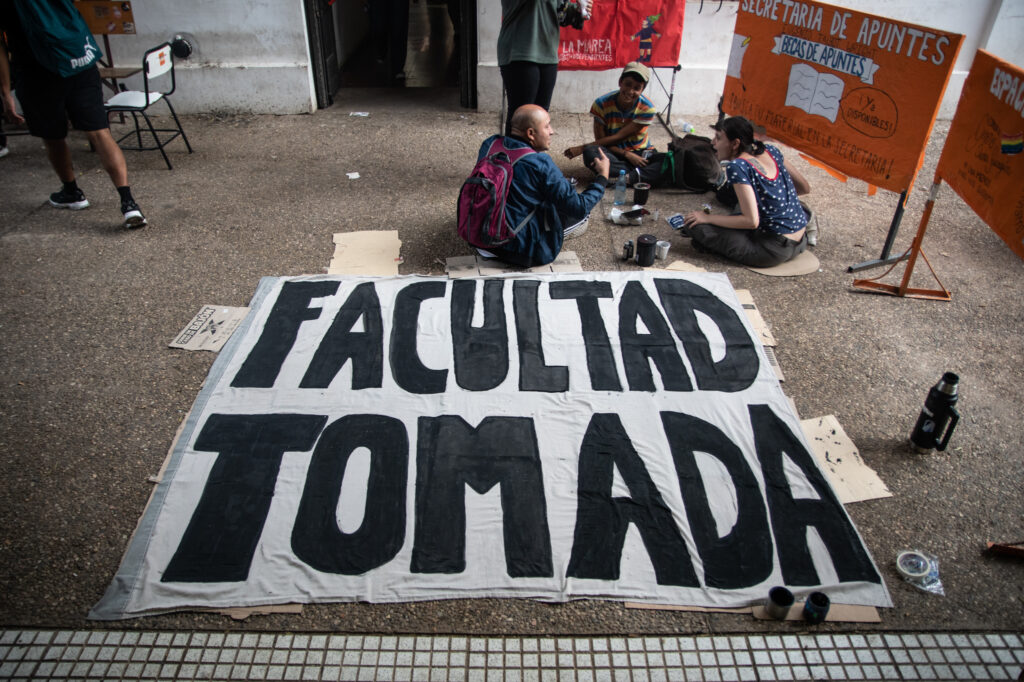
<point>646,37</point>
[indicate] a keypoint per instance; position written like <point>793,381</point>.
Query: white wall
<point>252,55</point>
<point>995,25</point>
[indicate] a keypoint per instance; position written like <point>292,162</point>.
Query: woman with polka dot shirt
<point>769,227</point>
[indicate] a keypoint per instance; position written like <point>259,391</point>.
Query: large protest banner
<point>982,158</point>
<point>857,91</point>
<point>623,31</point>
<point>587,435</point>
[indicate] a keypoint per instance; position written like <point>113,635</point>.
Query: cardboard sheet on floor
<point>478,266</point>
<point>837,613</point>
<point>739,611</point>
<point>683,266</point>
<point>804,264</point>
<point>369,253</point>
<point>851,478</point>
<point>210,329</point>
<point>243,612</point>
<point>764,334</point>
<point>755,317</point>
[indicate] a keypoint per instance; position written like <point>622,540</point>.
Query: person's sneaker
<point>75,200</point>
<point>4,151</point>
<point>576,230</point>
<point>133,218</point>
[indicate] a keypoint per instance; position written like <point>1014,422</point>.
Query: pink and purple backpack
<point>481,212</point>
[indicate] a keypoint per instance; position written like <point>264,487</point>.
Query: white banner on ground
<point>584,435</point>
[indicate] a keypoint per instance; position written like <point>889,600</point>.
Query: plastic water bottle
<point>685,127</point>
<point>620,189</point>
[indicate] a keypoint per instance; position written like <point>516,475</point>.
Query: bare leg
<point>59,154</point>
<point>110,155</point>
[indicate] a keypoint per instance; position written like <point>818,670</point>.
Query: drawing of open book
<point>816,93</point>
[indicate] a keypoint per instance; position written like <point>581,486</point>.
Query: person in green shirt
<point>528,53</point>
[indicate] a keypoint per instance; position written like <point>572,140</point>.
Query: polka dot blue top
<point>777,201</point>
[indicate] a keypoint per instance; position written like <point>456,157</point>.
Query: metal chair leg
<point>156,140</point>
<point>138,131</point>
<point>178,123</point>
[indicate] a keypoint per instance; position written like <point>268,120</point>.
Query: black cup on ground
<point>778,602</point>
<point>816,608</point>
<point>641,192</point>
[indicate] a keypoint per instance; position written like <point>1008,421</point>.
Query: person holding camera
<point>528,49</point>
<point>528,53</point>
<point>622,119</point>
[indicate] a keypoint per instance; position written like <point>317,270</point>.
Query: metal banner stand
<point>665,115</point>
<point>904,289</point>
<point>894,227</point>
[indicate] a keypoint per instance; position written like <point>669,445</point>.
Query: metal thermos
<point>938,416</point>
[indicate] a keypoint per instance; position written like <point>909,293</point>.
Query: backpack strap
<point>514,155</point>
<point>525,220</point>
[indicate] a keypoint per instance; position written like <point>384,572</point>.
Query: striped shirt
<point>606,110</point>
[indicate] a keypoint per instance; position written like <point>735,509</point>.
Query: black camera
<point>570,14</point>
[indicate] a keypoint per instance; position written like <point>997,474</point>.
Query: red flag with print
<point>623,31</point>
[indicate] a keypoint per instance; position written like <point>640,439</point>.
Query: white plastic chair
<point>155,63</point>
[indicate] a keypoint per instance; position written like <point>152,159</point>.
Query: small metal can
<point>627,250</point>
<point>706,208</point>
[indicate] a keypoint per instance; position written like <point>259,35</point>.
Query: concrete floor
<point>90,395</point>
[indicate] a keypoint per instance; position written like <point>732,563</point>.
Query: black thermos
<point>645,246</point>
<point>938,416</point>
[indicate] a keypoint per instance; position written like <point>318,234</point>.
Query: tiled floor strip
<point>116,655</point>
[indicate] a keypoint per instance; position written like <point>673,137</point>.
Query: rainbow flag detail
<point>1013,144</point>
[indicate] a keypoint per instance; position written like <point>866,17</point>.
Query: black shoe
<point>75,200</point>
<point>133,218</point>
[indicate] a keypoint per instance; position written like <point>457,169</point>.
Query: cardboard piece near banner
<point>804,264</point>
<point>738,611</point>
<point>478,266</point>
<point>851,478</point>
<point>210,329</point>
<point>837,613</point>
<point>764,334</point>
<point>244,612</point>
<point>683,266</point>
<point>755,317</point>
<point>370,253</point>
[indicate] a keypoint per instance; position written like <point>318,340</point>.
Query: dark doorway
<point>323,50</point>
<point>440,49</point>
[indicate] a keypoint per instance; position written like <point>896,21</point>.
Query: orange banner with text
<point>983,158</point>
<point>857,91</point>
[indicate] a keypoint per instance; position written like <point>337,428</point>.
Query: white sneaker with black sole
<point>576,230</point>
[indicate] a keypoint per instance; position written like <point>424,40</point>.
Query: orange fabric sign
<point>983,158</point>
<point>857,91</point>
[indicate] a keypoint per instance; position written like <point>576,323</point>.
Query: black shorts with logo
<point>48,101</point>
